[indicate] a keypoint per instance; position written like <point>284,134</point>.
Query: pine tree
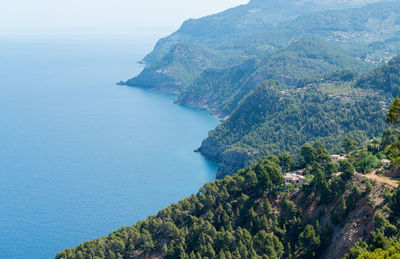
<point>210,251</point>
<point>393,117</point>
<point>221,254</point>
<point>285,161</point>
<point>192,255</point>
<point>349,144</point>
<point>164,249</point>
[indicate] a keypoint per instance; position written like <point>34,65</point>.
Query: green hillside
<point>222,90</point>
<point>275,118</point>
<point>180,67</point>
<point>251,215</point>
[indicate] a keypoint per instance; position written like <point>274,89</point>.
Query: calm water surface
<point>80,156</point>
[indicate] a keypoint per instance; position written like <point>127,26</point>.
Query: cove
<point>80,156</point>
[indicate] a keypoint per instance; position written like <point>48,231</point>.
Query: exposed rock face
<point>212,150</point>
<point>359,222</point>
<point>230,161</point>
<point>359,225</point>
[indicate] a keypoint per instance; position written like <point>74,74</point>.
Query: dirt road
<point>382,179</point>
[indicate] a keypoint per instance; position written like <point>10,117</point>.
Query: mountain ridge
<point>359,36</point>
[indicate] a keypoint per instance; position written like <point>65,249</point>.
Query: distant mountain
<point>221,30</point>
<point>263,28</point>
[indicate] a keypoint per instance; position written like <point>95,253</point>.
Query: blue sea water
<point>80,156</point>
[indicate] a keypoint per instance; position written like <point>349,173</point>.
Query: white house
<point>385,162</point>
<point>295,179</point>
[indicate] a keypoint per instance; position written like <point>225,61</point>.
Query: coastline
<point>211,152</point>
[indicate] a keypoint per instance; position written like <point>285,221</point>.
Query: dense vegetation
<point>390,253</point>
<point>274,118</point>
<point>180,66</point>
<point>223,89</point>
<point>248,215</point>
<point>386,78</point>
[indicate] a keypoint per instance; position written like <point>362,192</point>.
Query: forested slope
<point>250,215</point>
<point>275,118</point>
<point>180,66</point>
<point>386,78</point>
<point>222,90</point>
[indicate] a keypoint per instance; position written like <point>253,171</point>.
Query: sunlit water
<point>80,156</point>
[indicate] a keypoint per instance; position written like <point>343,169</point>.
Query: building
<point>337,158</point>
<point>295,179</point>
<point>301,172</point>
<point>385,162</point>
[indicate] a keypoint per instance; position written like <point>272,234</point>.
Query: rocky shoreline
<point>229,161</point>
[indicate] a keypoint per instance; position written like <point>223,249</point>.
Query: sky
<point>103,16</point>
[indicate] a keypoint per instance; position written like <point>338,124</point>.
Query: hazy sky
<point>98,16</point>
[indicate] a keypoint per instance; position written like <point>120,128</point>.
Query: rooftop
<point>294,177</point>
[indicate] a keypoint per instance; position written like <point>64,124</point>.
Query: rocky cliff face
<point>230,161</point>
<point>211,149</point>
<point>359,223</point>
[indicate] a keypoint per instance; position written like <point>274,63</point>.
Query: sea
<point>81,156</point>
